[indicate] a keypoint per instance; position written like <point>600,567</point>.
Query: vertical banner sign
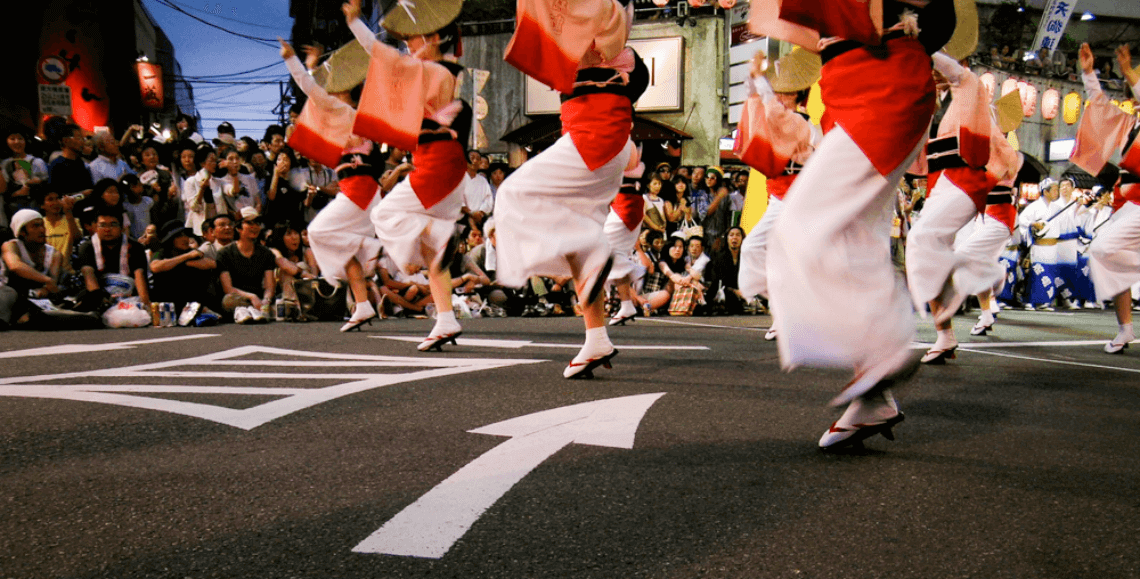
<point>1053,23</point>
<point>150,84</point>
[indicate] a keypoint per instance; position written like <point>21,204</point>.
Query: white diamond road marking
<point>230,365</point>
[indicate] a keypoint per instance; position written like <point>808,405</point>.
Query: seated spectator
<point>61,226</point>
<point>106,194</point>
<point>181,274</point>
<point>109,164</point>
<point>220,232</point>
<point>465,274</point>
<point>672,266</point>
<point>113,265</point>
<point>245,268</point>
<point>136,205</point>
<point>725,268</point>
<point>33,265</point>
<point>403,293</point>
<point>19,173</point>
<point>294,262</point>
<point>995,57</point>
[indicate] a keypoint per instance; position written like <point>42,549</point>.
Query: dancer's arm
<point>949,68</point>
<point>1124,59</point>
<point>301,76</point>
<point>1088,70</point>
<point>359,29</point>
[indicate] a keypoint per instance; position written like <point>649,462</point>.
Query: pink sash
<point>323,131</point>
<point>552,37</point>
<point>399,93</point>
<point>1104,129</point>
<point>803,22</point>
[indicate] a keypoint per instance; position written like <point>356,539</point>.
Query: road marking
<point>286,400</point>
<point>85,348</point>
<point>431,525</point>
<point>1065,362</point>
<point>699,325</point>
<point>517,344</point>
<point>986,345</point>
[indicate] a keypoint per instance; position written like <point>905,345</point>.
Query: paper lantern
<point>1028,98</point>
<point>1050,104</point>
<point>1013,142</point>
<point>660,2</point>
<point>696,3</point>
<point>726,4</point>
<point>1072,108</point>
<point>990,82</point>
<point>150,85</point>
<point>1008,86</point>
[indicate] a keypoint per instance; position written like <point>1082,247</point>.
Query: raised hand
<point>1088,62</point>
<point>1124,57</point>
<point>313,54</point>
<point>287,51</point>
<point>351,10</point>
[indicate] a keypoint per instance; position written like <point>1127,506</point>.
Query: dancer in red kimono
<point>409,102</point>
<point>550,213</point>
<point>622,227</point>
<point>1114,255</point>
<point>341,235</point>
<point>776,138</point>
<point>839,299</point>
<point>966,161</point>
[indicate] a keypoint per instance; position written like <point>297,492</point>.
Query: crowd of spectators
<point>218,229</point>
<point>1050,64</point>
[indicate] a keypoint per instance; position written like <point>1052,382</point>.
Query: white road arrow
<point>430,526</point>
<point>86,348</point>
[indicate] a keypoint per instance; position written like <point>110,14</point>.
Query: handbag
<point>321,300</point>
<point>684,301</point>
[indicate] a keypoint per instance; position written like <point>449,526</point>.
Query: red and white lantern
<point>990,82</point>
<point>1050,104</point>
<point>1028,98</point>
<point>1008,86</point>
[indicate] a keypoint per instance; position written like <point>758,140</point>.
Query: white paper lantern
<point>1050,104</point>
<point>1008,86</point>
<point>990,82</point>
<point>1028,98</point>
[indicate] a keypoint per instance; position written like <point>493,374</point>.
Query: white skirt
<point>1114,256</point>
<point>549,215</point>
<point>979,268</point>
<point>341,231</point>
<point>930,256</point>
<point>622,241</point>
<point>839,300</point>
<point>753,277</point>
<point>412,234</point>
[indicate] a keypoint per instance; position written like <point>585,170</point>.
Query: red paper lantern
<point>696,3</point>
<point>726,4</point>
<point>150,85</point>
<point>1050,104</point>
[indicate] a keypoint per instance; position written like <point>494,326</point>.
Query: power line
<point>223,17</point>
<point>264,41</point>
<point>278,62</point>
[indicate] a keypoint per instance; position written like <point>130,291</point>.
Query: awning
<point>546,129</point>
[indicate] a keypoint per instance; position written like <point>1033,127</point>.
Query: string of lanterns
<point>1052,104</point>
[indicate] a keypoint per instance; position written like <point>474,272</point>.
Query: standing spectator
<point>185,165</point>
<point>478,200</point>
<point>245,268</point>
<point>274,142</point>
<point>136,205</point>
<point>498,174</point>
<point>19,172</point>
<point>158,183</point>
<point>317,182</point>
<point>239,190</point>
<point>188,129</point>
<point>68,174</point>
<point>679,212</point>
<point>112,257</point>
<point>181,274</point>
<point>202,190</point>
<point>282,201</point>
<point>654,205</point>
<point>109,164</point>
<point>718,213</point>
<point>226,136</point>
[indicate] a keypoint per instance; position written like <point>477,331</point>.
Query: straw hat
<point>1009,112</point>
<point>964,41</point>
<point>795,71</point>
<point>343,70</point>
<point>415,17</point>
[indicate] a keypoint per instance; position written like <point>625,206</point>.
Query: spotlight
<point>1088,16</point>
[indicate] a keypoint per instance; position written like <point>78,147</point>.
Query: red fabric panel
<point>778,186</point>
<point>536,54</point>
<point>975,183</point>
<point>1005,213</point>
<point>440,167</point>
<point>360,189</point>
<point>315,145</point>
<point>631,209</point>
<point>599,124</point>
<point>884,104</point>
<point>850,19</point>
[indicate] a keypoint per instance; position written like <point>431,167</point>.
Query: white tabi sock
<point>597,344</point>
<point>445,323</point>
<point>627,309</point>
<point>1126,334</point>
<point>945,340</point>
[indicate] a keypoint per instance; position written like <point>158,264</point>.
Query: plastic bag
<point>126,315</point>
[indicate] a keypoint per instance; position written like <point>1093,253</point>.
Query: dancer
<point>1050,226</point>
<point>622,227</point>
<point>341,235</point>
<point>776,137</point>
<point>1114,259</point>
<point>879,104</point>
<point>551,211</point>
<point>416,220</point>
<point>967,159</point>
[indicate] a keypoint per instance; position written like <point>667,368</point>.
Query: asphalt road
<point>289,451</point>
